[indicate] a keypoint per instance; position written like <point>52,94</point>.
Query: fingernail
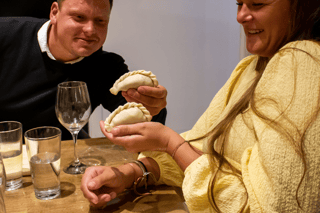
<point>115,130</point>
<point>113,195</point>
<point>91,184</point>
<point>130,92</point>
<point>141,89</point>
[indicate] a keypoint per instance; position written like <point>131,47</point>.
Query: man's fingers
<point>148,101</point>
<point>155,92</point>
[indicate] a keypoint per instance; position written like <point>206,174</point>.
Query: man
<point>36,55</point>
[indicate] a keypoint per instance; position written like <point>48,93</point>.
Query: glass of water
<point>44,153</point>
<point>2,185</point>
<point>11,150</point>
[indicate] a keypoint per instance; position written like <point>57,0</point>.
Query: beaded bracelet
<point>142,181</point>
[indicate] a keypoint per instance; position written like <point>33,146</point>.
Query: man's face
<point>81,26</point>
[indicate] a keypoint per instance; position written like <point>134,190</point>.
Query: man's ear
<point>54,12</point>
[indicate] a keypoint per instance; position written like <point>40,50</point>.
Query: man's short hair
<point>60,2</point>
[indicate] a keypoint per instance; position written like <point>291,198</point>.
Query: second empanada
<point>129,113</point>
<point>133,80</point>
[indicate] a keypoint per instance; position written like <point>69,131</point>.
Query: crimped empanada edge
<point>107,123</point>
<point>149,74</point>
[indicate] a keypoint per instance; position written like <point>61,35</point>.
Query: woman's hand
<point>101,184</point>
<point>147,136</point>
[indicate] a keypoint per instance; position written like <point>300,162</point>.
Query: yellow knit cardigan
<point>270,165</point>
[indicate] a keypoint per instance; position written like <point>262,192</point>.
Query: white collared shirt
<point>43,43</point>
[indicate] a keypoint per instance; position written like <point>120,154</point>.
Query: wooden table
<point>163,198</point>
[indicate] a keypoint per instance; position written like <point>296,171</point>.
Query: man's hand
<point>152,98</point>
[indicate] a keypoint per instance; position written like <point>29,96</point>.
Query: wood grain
<point>163,198</point>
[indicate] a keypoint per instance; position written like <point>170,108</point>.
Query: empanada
<point>133,80</point>
<point>130,113</point>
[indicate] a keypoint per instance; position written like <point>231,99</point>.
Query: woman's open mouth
<point>255,31</point>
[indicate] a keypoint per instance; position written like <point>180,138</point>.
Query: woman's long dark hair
<point>304,25</point>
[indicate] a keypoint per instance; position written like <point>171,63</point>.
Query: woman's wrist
<point>131,172</point>
<point>174,142</point>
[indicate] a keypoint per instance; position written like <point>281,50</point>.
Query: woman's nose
<point>244,14</point>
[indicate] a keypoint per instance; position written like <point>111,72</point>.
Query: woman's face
<point>265,24</point>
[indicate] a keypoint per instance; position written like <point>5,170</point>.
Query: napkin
<point>25,161</point>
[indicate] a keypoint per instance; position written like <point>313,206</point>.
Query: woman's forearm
<point>185,154</point>
<point>182,152</point>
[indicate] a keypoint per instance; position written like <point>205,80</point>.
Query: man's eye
<point>101,21</point>
<point>79,18</point>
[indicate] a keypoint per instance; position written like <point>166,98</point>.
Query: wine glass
<point>73,109</point>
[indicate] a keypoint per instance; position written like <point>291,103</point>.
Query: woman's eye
<point>257,4</point>
<point>239,4</point>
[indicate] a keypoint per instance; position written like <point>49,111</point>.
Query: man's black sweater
<point>29,78</point>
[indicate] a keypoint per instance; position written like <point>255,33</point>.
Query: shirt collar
<point>43,43</point>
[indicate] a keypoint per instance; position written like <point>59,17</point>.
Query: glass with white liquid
<point>11,150</point>
<point>44,153</point>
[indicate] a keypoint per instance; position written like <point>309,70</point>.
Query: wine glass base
<point>75,169</point>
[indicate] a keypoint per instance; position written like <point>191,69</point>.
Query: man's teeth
<point>255,31</point>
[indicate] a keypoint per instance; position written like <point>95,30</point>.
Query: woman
<point>260,136</point>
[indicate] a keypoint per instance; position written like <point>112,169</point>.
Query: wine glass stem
<point>76,159</point>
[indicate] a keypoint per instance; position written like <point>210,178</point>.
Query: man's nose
<point>89,28</point>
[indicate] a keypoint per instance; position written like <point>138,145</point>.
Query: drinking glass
<point>73,109</point>
<point>11,150</point>
<point>2,185</point>
<point>44,154</point>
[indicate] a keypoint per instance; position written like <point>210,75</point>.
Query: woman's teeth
<point>255,31</point>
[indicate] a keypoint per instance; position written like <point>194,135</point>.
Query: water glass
<point>44,153</point>
<point>2,185</point>
<point>11,150</point>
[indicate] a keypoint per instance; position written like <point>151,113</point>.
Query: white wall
<point>192,46</point>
